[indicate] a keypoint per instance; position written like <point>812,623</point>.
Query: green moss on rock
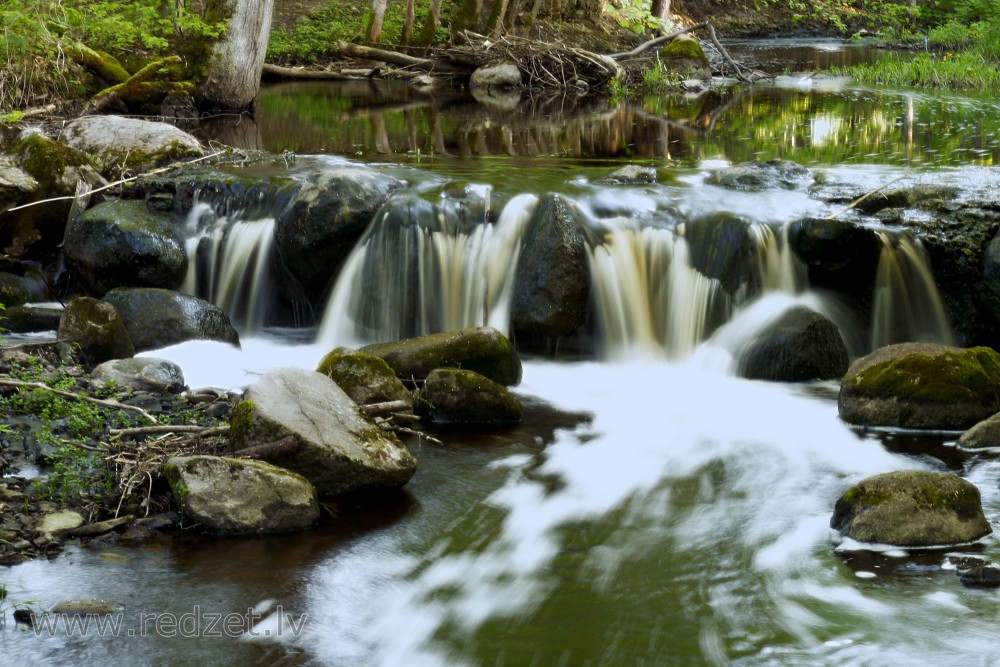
<point>364,377</point>
<point>453,395</point>
<point>47,160</point>
<point>683,47</point>
<point>241,423</point>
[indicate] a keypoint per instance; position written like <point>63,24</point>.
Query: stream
<point>652,508</point>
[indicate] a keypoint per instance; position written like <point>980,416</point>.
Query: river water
<point>652,509</point>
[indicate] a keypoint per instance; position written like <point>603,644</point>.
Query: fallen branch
<point>368,53</point>
<point>725,55</point>
<point>108,403</point>
<point>865,197</point>
<point>384,408</point>
<point>298,73</point>
<point>270,450</point>
<point>121,182</point>
<point>645,46</point>
<point>139,431</point>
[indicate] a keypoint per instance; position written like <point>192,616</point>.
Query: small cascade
<point>649,300</point>
<point>906,305</point>
<point>777,266</point>
<point>422,268</point>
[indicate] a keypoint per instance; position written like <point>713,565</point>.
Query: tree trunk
<point>408,23</point>
<point>378,15</point>
<point>660,9</point>
<point>429,31</point>
<point>235,61</point>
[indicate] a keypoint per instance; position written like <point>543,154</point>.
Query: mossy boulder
<point>685,56</point>
<point>364,377</point>
<point>481,349</point>
<point>332,211</point>
<point>31,319</point>
<point>13,291</point>
<point>456,396</point>
<point>912,509</point>
<point>237,496</point>
<point>799,346</point>
<point>338,448</point>
<point>922,385</point>
<point>552,279</point>
<point>924,195</point>
<point>632,174</point>
<point>122,243</point>
<point>156,318</point>
<point>129,143</point>
<point>760,176</point>
<point>97,328</point>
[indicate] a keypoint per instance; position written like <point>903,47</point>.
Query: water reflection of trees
<point>381,122</point>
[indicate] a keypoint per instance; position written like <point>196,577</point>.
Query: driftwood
<point>299,73</point>
<point>385,408</point>
<point>161,429</point>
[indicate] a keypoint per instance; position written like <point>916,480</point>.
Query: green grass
<point>968,70</point>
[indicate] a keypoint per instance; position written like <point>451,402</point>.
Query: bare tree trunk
<point>235,61</point>
<point>660,9</point>
<point>408,23</point>
<point>497,17</point>
<point>378,15</point>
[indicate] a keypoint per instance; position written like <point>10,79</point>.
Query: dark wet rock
<point>721,248</point>
<point>984,435</point>
<point>456,396</point>
<point>129,143</point>
<point>800,345</point>
<point>975,571</point>
<point>840,255</point>
<point>632,174</point>
<point>228,496</point>
<point>31,318</point>
<point>922,385</point>
<point>989,288</point>
<point>552,280</point>
<point>97,328</point>
<point>15,183</point>
<point>338,449</point>
<point>481,349</point>
<point>13,291</point>
<point>332,211</point>
<point>760,176</point>
<point>156,318</point>
<point>928,196</point>
<point>912,508</point>
<point>364,377</point>
<point>141,374</point>
<point>499,75</point>
<point>122,243</point>
<point>24,617</point>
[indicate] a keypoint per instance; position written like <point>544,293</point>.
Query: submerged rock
<point>122,243</point>
<point>922,385</point>
<point>156,318</point>
<point>912,508</point>
<point>456,396</point>
<point>481,349</point>
<point>364,377</point>
<point>631,174</point>
<point>227,495</point>
<point>800,345</point>
<point>552,280</point>
<point>97,328</point>
<point>760,176</point>
<point>339,449</point>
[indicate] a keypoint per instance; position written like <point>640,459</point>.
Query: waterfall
<point>423,268</point>
<point>906,305</point>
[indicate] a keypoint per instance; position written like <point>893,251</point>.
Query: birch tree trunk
<point>378,16</point>
<point>660,9</point>
<point>235,60</point>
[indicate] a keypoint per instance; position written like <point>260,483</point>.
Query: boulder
<point>15,183</point>
<point>922,385</point>
<point>13,291</point>
<point>60,522</point>
<point>760,176</point>
<point>552,279</point>
<point>912,508</point>
<point>122,243</point>
<point>158,376</point>
<point>332,211</point>
<point>156,318</point>
<point>481,349</point>
<point>31,318</point>
<point>338,449</point>
<point>129,143</point>
<point>456,396</point>
<point>984,435</point>
<point>835,245</point>
<point>227,495</point>
<point>97,328</point>
<point>684,56</point>
<point>364,377</point>
<point>721,248</point>
<point>799,346</point>
<point>923,195</point>
<point>499,75</point>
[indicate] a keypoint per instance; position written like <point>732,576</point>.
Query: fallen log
<point>348,50</point>
<point>299,73</point>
